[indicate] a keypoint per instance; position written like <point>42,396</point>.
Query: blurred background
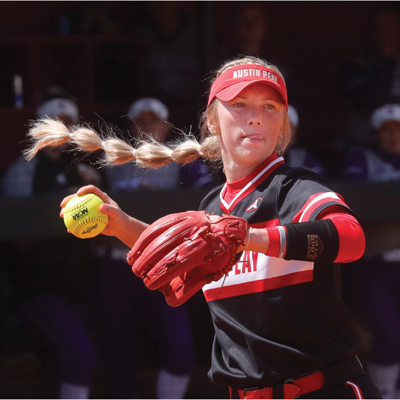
<point>98,52</point>
<point>340,61</point>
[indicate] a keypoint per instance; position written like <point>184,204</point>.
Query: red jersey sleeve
<point>351,234</point>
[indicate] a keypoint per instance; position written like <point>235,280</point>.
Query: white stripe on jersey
<point>226,205</point>
<point>259,267</point>
<point>318,198</point>
<point>356,388</point>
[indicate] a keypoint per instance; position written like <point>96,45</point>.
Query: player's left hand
<point>179,253</point>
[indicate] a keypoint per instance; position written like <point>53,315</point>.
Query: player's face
<point>250,125</point>
<point>389,137</point>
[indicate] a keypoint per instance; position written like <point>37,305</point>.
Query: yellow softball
<point>82,216</point>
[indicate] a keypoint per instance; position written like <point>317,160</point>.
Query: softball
<point>82,216</point>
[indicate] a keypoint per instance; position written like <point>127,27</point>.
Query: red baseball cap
<point>232,81</point>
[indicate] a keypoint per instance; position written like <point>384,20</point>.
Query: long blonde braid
<point>147,152</point>
<point>48,132</point>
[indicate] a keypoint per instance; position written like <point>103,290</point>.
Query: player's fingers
<point>105,208</point>
<point>115,218</point>
<point>83,190</point>
<point>112,210</point>
<point>65,200</point>
<point>95,190</point>
<point>91,189</point>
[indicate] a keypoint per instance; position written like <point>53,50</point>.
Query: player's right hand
<point>110,207</point>
<point>120,224</point>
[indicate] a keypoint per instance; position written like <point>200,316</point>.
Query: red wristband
<point>274,245</point>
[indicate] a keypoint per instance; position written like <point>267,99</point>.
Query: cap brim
<point>232,91</point>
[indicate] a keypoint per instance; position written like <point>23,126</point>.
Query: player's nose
<point>254,117</point>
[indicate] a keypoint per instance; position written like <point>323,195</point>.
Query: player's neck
<point>246,174</point>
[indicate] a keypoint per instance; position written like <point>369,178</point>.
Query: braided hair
<point>147,152</point>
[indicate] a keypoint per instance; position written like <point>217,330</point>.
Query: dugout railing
<point>377,206</point>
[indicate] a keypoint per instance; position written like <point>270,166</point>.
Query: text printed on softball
<point>80,214</point>
<point>254,72</point>
<point>90,228</point>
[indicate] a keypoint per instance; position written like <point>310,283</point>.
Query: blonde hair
<point>47,132</point>
<point>147,152</point>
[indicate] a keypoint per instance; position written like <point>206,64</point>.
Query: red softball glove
<point>180,253</point>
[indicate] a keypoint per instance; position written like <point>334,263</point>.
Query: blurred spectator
<point>372,78</point>
<point>118,290</point>
<point>249,32</point>
<point>171,66</point>
<point>381,161</point>
<point>50,171</point>
<point>373,282</point>
<point>296,155</point>
<point>99,17</point>
<point>150,116</point>
<point>50,277</point>
<point>126,309</point>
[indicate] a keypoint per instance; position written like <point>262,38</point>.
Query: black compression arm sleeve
<point>312,241</point>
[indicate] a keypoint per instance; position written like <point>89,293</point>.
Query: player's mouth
<point>253,137</point>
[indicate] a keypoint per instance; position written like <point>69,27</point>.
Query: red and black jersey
<point>275,318</point>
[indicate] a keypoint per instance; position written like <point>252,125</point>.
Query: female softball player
<point>281,328</point>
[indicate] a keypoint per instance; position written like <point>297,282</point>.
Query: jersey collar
<point>234,192</point>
